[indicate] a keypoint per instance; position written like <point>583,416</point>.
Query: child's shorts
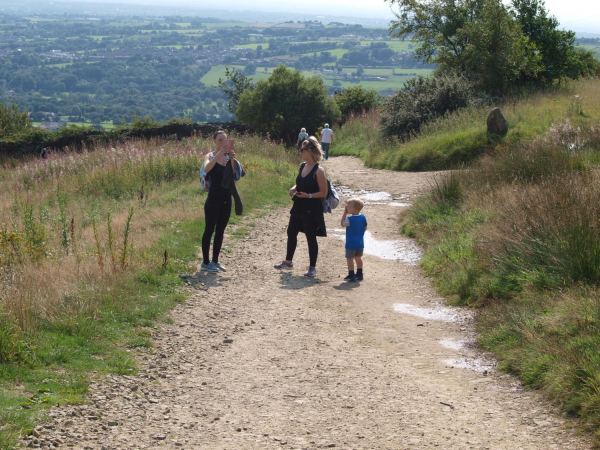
<point>352,253</point>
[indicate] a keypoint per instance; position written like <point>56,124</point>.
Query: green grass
<point>461,137</point>
<point>104,313</point>
<point>212,77</point>
<point>516,236</point>
<point>397,46</point>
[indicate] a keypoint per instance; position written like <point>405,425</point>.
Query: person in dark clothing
<point>217,208</point>
<point>306,215</point>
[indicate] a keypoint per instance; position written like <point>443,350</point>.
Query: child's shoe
<point>359,277</point>
<point>349,276</point>
<point>351,279</point>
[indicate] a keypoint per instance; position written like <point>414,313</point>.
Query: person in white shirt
<point>326,140</point>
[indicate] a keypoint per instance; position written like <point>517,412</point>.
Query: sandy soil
<point>263,359</point>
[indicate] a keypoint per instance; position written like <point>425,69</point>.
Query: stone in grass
<point>496,123</point>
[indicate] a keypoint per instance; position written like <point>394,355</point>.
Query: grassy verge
<point>518,235</point>
<point>461,137</point>
<point>91,248</point>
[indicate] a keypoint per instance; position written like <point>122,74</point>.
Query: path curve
<point>260,359</point>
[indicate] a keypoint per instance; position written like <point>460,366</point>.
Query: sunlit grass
<point>83,270</point>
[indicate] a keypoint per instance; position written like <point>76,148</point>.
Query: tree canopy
<point>12,120</point>
<point>494,45</point>
<point>356,100</point>
<point>286,102</point>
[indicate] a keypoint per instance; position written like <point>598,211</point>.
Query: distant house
<point>51,126</point>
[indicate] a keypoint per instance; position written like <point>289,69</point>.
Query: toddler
<point>356,224</point>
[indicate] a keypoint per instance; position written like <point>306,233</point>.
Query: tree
<point>495,45</point>
<point>497,54</point>
<point>434,25</point>
<point>360,70</point>
<point>12,120</point>
<point>356,100</point>
<point>555,47</point>
<point>286,102</point>
<point>235,84</point>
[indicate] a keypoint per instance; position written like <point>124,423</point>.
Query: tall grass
<point>461,137</point>
<point>518,233</point>
<point>83,239</point>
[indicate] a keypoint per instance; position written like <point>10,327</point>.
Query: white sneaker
<point>219,266</point>
<point>210,267</point>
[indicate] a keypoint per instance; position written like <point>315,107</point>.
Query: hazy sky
<point>577,15</point>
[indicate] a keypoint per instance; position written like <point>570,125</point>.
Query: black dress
<point>307,213</point>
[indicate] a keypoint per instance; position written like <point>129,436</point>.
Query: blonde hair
<point>356,203</point>
<point>312,143</point>
<point>302,130</point>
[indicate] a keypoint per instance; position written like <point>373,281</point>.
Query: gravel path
<point>262,359</point>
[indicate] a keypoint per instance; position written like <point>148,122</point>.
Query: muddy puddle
<point>403,250</point>
<point>435,312</point>
<point>375,197</point>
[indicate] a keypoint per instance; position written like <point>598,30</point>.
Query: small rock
<point>159,437</point>
<point>36,433</point>
<point>113,423</point>
<point>227,341</point>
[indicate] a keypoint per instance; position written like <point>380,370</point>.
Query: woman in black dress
<point>306,215</point>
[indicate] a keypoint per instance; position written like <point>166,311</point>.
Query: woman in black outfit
<point>217,208</point>
<point>306,215</point>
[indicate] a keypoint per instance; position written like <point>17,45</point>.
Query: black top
<point>215,190</point>
<point>309,210</point>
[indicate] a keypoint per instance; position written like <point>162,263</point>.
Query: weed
<point>125,250</point>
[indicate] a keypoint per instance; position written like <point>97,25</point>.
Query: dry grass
<point>55,218</point>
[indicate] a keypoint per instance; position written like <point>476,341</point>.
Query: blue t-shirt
<point>355,232</point>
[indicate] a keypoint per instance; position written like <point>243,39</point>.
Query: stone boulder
<point>496,123</point>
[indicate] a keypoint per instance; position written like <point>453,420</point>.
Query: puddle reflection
<point>399,250</point>
<point>438,312</point>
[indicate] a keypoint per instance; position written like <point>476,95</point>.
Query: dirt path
<point>263,359</point>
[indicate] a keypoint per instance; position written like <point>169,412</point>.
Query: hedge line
<point>89,138</point>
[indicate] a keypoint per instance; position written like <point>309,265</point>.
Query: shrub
<point>446,187</point>
<point>422,100</point>
<point>12,120</point>
<point>356,100</point>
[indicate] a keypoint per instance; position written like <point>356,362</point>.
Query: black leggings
<point>292,242</point>
<point>216,218</point>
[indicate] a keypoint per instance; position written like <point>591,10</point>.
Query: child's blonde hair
<point>357,203</point>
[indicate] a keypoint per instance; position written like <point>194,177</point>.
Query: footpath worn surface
<point>262,359</point>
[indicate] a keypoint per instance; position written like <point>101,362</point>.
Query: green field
<point>397,46</point>
<point>339,52</point>
<point>393,82</point>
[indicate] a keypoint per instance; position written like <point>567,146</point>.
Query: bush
<point>356,100</point>
<point>422,100</point>
<point>286,102</point>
